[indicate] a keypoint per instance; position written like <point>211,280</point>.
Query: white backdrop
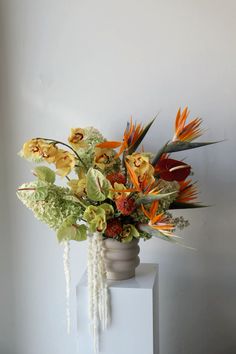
<point>78,63</point>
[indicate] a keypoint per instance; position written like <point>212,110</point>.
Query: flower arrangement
<point>115,189</point>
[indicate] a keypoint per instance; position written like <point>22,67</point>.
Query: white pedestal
<point>134,323</point>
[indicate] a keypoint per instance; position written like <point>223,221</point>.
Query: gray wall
<point>77,63</point>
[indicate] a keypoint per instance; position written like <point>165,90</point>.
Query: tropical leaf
<point>146,199</point>
<point>142,135</point>
<point>45,174</point>
<point>155,233</point>
<point>176,146</point>
<point>178,205</point>
<point>97,185</point>
<point>69,230</point>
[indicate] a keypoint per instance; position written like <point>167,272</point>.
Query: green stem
<point>81,203</point>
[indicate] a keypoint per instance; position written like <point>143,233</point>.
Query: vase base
<point>120,276</point>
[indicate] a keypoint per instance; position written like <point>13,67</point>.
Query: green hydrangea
<point>167,187</point>
<point>49,203</point>
<point>92,137</point>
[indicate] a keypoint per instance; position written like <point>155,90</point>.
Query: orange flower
<point>187,132</point>
<point>187,192</point>
<point>158,222</point>
<point>143,182</point>
<point>131,135</point>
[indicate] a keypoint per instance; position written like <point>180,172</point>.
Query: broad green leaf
<point>177,205</point>
<point>45,174</point>
<point>97,185</point>
<point>139,140</point>
<point>69,230</point>
<point>81,233</point>
<point>146,199</point>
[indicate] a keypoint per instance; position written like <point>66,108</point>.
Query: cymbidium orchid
<point>76,138</point>
<point>65,162</point>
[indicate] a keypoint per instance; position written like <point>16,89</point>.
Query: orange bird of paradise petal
<point>133,177</point>
<point>131,135</point>
<point>158,222</point>
<point>189,131</point>
<point>187,192</point>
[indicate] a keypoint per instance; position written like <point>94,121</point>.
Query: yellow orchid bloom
<point>104,158</point>
<point>138,162</point>
<point>65,162</point>
<point>78,186</point>
<point>49,152</point>
<point>33,148</point>
<point>39,148</point>
<point>141,166</point>
<point>76,138</point>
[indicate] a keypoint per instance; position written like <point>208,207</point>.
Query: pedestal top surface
<point>145,276</point>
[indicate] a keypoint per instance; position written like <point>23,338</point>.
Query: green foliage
<point>97,185</point>
<point>45,174</point>
<point>147,199</point>
<point>175,146</point>
<point>48,202</point>
<point>138,142</point>
<point>178,205</point>
<point>69,230</point>
<point>155,233</point>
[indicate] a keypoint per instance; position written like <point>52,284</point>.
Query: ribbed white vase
<point>121,259</point>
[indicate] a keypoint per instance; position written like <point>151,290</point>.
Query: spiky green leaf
<point>177,205</point>
<point>155,233</point>
<point>176,146</point>
<point>146,199</point>
<point>139,140</point>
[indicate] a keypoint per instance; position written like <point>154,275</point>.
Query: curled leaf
<point>69,230</point>
<point>97,185</point>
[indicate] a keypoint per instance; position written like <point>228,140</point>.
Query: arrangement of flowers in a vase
<point>116,194</point>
